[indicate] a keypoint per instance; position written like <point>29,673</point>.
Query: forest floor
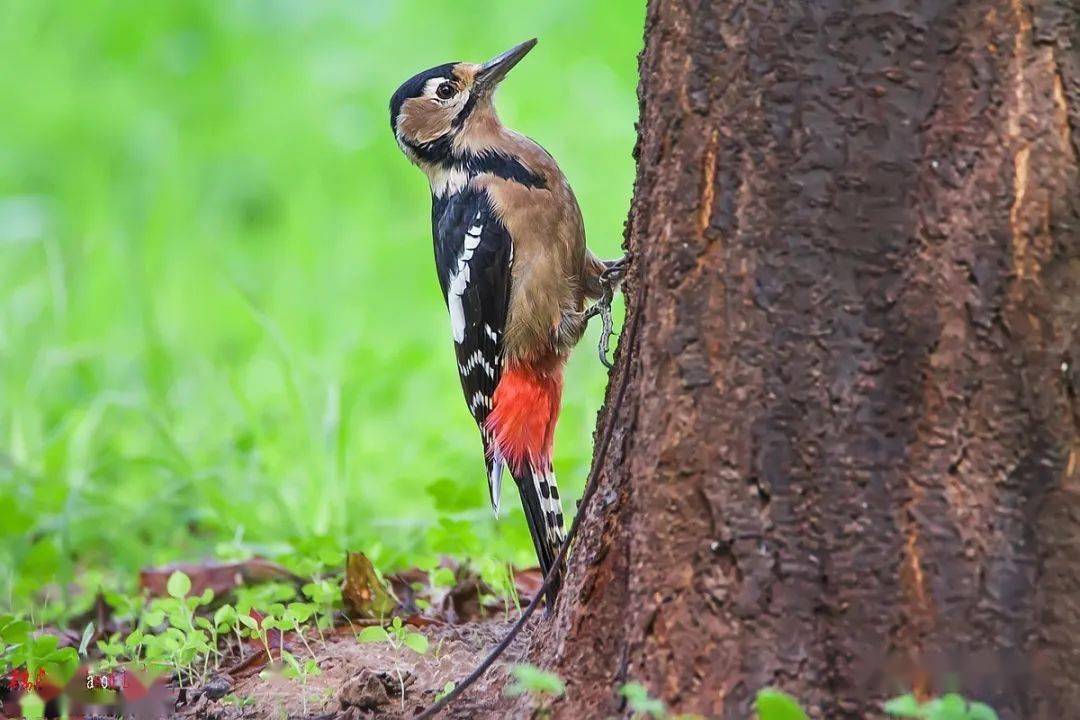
<point>231,641</point>
<point>366,680</point>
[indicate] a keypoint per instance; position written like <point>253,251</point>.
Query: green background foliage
<point>220,328</point>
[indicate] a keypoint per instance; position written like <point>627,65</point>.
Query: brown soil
<point>365,680</point>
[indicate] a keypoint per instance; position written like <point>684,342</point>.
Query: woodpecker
<point>514,271</point>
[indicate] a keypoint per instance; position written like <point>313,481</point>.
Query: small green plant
<point>289,617</point>
<point>168,636</point>
<point>301,671</point>
<point>84,642</point>
<point>772,704</point>
<point>227,620</point>
<point>644,706</point>
<point>14,633</point>
<point>326,597</point>
<point>499,576</point>
<point>237,701</point>
<point>947,707</point>
<point>260,597</point>
<point>114,651</point>
<point>441,577</point>
<point>398,636</point>
<point>253,629</point>
<point>36,656</point>
<point>125,606</point>
<point>541,685</point>
<point>32,706</point>
<point>641,703</point>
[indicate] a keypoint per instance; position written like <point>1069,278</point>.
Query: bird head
<point>441,113</point>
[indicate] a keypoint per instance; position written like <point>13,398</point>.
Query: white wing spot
<point>474,360</point>
<point>459,280</point>
<point>479,399</point>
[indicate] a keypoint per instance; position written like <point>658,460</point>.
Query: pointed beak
<point>495,69</point>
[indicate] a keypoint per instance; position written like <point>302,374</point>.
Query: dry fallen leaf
<point>364,593</point>
<point>528,582</point>
<point>219,577</point>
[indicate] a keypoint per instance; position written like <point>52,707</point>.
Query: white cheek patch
<point>405,147</point>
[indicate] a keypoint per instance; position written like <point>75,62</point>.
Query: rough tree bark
<point>847,458</point>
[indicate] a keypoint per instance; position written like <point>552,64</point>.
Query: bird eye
<point>445,91</point>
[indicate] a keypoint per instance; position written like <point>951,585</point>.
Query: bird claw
<point>610,278</point>
<point>614,272</point>
<point>605,333</point>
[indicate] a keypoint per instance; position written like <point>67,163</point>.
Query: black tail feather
<point>547,548</point>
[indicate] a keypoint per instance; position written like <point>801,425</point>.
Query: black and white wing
<point>473,252</point>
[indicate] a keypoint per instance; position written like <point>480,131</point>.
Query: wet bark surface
<point>847,462</point>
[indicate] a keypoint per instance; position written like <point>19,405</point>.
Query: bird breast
<point>546,228</point>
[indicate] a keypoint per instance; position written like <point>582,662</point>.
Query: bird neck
<point>453,172</point>
<point>447,179</point>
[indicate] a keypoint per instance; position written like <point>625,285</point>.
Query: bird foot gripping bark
<point>611,278</point>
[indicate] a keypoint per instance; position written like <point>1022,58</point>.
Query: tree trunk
<point>845,461</point>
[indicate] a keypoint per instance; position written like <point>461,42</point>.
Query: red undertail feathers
<point>522,422</point>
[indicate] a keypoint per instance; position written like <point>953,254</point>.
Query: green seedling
<point>88,634</point>
<point>169,635</point>
<point>441,577</point>
<point>19,649</point>
<point>227,620</point>
<point>772,704</point>
<point>32,706</point>
<point>531,680</point>
<point>300,671</point>
<point>261,597</point>
<point>946,707</point>
<point>289,617</point>
<point>237,701</point>
<point>14,634</point>
<point>125,606</point>
<point>398,636</point>
<point>253,629</point>
<point>326,597</point>
<point>499,576</point>
<point>542,686</point>
<point>641,703</point>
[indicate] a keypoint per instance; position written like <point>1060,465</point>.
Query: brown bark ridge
<point>847,463</point>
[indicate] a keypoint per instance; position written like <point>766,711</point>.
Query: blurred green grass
<point>220,330</point>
